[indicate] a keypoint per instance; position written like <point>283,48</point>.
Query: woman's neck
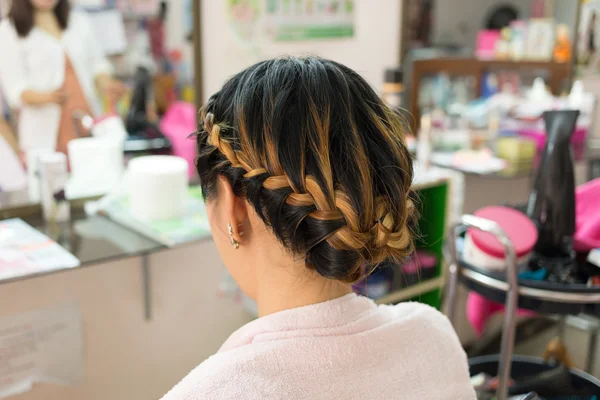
<point>288,283</point>
<point>47,21</point>
<point>280,296</point>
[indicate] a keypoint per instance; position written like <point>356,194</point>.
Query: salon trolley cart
<point>543,297</point>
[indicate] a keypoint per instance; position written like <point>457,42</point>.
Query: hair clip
<point>209,122</point>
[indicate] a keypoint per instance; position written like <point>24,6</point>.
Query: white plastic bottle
<point>53,178</point>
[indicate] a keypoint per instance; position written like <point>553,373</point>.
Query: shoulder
<point>197,384</point>
<point>427,322</point>
<point>431,334</point>
<point>423,313</point>
<point>224,376</point>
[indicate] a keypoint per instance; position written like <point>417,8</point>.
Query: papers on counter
<point>475,162</point>
<point>25,251</point>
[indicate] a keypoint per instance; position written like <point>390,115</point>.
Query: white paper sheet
<point>25,251</point>
<point>40,346</point>
<point>482,166</point>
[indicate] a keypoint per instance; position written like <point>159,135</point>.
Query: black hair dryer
<point>552,200</point>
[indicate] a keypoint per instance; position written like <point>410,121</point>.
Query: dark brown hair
<point>320,158</point>
<point>21,13</point>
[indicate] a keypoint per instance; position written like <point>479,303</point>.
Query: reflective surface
<point>93,240</point>
<point>97,239</point>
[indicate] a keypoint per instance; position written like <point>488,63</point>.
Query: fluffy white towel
<point>347,348</point>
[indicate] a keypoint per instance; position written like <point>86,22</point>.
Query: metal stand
<point>512,293</point>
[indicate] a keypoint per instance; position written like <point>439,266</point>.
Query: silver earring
<point>234,242</point>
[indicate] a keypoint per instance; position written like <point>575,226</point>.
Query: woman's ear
<point>235,209</point>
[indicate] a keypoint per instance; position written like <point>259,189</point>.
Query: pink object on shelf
<point>539,137</point>
<point>587,216</point>
<point>178,123</point>
<point>486,44</point>
<point>520,230</point>
<point>538,8</point>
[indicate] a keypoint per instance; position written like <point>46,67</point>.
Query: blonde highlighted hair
<point>320,158</point>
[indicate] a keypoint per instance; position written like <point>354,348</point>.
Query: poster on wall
<point>41,346</point>
<point>243,18</point>
<point>588,54</point>
<point>290,20</point>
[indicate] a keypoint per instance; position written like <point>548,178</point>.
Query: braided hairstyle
<point>320,158</point>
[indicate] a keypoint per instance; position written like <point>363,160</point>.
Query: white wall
<point>374,46</point>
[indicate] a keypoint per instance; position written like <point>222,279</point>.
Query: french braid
<point>316,215</point>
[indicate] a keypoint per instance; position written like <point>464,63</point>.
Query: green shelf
<point>433,202</point>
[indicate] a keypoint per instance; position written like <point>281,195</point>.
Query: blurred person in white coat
<point>50,66</point>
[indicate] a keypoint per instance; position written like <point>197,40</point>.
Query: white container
<point>483,250</point>
<point>158,187</point>
<point>111,127</point>
<point>33,172</point>
<point>53,178</point>
<point>477,257</point>
<point>96,166</point>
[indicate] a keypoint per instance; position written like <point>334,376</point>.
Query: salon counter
<point>150,314</point>
<point>92,239</point>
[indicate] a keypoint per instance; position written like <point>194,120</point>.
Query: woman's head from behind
<point>302,164</point>
<point>22,13</point>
